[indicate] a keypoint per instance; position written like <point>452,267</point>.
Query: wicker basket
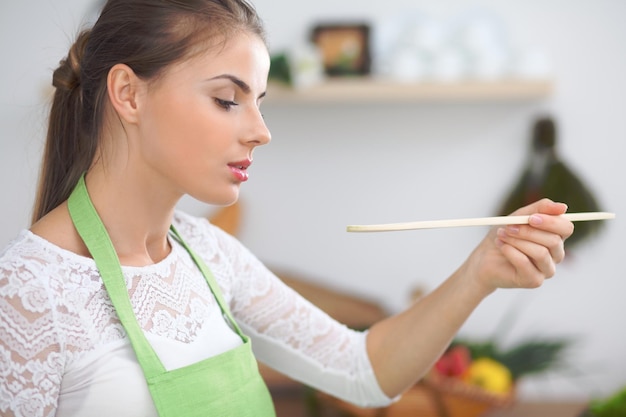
<point>432,397</point>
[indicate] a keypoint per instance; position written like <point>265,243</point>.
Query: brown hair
<point>146,35</point>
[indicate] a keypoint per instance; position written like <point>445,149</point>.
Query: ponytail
<point>69,151</point>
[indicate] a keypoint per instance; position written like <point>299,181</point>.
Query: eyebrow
<point>238,82</point>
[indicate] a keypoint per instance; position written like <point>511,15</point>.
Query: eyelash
<point>225,104</point>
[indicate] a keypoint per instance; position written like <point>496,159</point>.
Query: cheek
<point>186,135</point>
<point>175,131</point>
<point>196,134</point>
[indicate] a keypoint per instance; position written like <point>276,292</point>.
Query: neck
<point>136,213</point>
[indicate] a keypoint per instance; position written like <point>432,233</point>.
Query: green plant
<point>526,358</point>
<point>614,406</point>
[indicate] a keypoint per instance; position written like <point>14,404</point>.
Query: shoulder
<point>37,272</point>
<point>12,255</point>
<point>57,228</point>
<point>22,256</point>
<point>24,266</point>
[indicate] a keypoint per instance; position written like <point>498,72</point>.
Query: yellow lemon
<point>490,375</point>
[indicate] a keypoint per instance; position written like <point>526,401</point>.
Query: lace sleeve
<point>296,338</point>
<point>289,333</point>
<point>31,364</point>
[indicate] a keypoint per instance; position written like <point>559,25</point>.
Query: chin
<point>227,203</point>
<point>226,199</point>
<point>217,196</point>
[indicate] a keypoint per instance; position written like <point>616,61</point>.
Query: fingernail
<point>535,219</point>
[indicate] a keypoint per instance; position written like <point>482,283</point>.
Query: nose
<point>259,134</point>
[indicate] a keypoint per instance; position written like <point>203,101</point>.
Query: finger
<point>550,240</point>
<point>539,255</point>
<point>551,223</point>
<point>526,273</point>
<point>544,205</point>
<point>548,206</point>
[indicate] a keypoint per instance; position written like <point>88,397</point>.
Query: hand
<point>522,256</point>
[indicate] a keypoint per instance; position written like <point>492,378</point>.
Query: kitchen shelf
<point>359,90</point>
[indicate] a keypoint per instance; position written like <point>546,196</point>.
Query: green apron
<point>225,385</point>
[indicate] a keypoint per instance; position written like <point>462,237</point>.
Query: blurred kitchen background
<point>345,155</point>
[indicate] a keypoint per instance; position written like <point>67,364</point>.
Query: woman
<point>114,303</point>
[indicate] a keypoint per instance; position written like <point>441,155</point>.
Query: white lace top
<point>63,351</point>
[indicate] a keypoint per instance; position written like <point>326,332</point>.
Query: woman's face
<point>200,121</point>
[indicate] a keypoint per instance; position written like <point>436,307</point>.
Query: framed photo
<point>345,48</point>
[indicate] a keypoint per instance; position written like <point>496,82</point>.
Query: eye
<point>225,104</point>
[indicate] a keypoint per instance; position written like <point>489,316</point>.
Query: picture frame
<point>344,48</point>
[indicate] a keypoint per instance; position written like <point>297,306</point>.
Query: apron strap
<point>215,289</point>
<point>94,234</point>
<point>228,384</point>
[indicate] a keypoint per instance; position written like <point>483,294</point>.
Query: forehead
<point>243,54</point>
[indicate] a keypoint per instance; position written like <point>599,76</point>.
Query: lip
<point>240,169</point>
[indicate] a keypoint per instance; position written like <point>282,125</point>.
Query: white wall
<point>333,165</point>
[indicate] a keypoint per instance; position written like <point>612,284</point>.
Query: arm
<point>301,341</point>
<point>288,333</point>
<point>402,348</point>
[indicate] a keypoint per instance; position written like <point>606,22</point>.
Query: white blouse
<point>63,351</point>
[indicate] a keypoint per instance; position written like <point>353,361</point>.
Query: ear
<point>123,87</point>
